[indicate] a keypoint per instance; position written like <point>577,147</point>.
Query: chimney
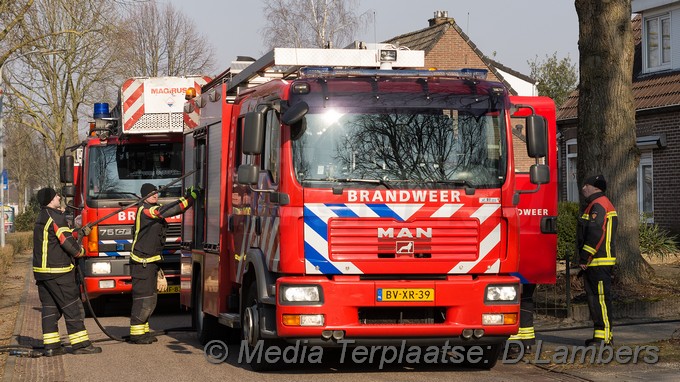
<point>440,17</point>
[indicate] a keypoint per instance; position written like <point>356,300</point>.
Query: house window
<point>572,182</point>
<point>645,186</point>
<point>658,39</point>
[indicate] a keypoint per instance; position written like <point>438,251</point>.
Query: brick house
<point>656,90</point>
<point>446,46</point>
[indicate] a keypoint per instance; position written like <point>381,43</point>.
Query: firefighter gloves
<point>192,192</point>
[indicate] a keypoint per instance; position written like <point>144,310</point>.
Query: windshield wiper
<point>350,180</point>
<point>455,182</point>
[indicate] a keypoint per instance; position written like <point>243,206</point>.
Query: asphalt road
<point>179,356</point>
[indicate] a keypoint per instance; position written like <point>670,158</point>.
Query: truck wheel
<point>250,327</point>
<point>207,327</point>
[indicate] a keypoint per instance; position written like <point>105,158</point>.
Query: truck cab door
<point>538,210</point>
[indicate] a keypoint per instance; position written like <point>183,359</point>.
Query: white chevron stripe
<point>405,211</point>
<point>495,267</point>
<point>485,211</point>
<point>447,210</point>
<point>362,210</point>
<point>485,247</point>
<point>321,211</point>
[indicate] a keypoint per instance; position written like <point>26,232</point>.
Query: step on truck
<point>352,200</point>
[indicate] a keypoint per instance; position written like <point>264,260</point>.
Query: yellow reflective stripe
<point>145,260</point>
<point>608,244</point>
<point>53,270</point>
<point>146,327</point>
<point>589,249</point>
<point>137,219</point>
<point>524,334</point>
<point>63,230</point>
<point>598,334</point>
<point>78,337</point>
<point>137,330</point>
<point>184,202</point>
<point>585,217</point>
<point>45,242</point>
<point>152,211</point>
<point>603,307</point>
<point>602,261</point>
<point>51,338</point>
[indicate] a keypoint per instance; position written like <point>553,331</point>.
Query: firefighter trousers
<point>144,297</point>
<point>526,316</point>
<point>598,283</point>
<point>61,296</point>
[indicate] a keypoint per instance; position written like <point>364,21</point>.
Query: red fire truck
<point>139,141</point>
<point>346,204</point>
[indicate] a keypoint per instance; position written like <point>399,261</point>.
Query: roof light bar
<point>479,74</point>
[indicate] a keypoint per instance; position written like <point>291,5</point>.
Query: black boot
<point>88,350</point>
<point>54,351</point>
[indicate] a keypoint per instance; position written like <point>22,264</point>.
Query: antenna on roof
<point>467,27</point>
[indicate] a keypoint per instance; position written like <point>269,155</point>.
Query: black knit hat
<point>147,188</point>
<point>597,181</point>
<point>45,196</point>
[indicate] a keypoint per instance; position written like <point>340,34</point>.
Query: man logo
<point>405,233</point>
<point>404,247</point>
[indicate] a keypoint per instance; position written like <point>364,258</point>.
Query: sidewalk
<point>28,331</point>
<point>621,365</point>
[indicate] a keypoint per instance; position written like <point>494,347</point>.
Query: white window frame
<point>572,192</point>
<point>662,65</point>
<point>646,159</point>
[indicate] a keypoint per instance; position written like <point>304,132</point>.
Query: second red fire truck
<point>139,141</point>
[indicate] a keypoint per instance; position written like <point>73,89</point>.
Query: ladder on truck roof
<point>292,59</point>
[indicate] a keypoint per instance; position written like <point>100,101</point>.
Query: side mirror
<point>537,137</point>
<point>295,118</point>
<point>248,174</point>
<point>539,174</point>
<point>295,113</point>
<point>253,136</point>
<point>66,169</point>
<point>68,191</point>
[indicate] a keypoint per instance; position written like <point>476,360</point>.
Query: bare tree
<point>158,40</point>
<point>11,16</point>
<point>25,159</point>
<point>312,23</point>
<point>606,118</point>
<point>51,87</point>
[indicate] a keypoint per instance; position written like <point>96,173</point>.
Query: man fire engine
<point>354,205</point>
<point>139,142</point>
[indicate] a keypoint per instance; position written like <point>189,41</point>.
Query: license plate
<point>171,289</point>
<point>405,294</point>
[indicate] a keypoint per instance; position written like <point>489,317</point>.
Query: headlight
<point>501,293</point>
<point>101,268</point>
<point>300,293</point>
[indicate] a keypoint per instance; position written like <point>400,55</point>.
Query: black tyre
<point>250,327</point>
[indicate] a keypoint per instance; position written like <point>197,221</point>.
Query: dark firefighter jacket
<point>596,234</point>
<point>150,227</point>
<point>54,246</point>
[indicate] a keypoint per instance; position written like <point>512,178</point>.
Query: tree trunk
<point>606,120</point>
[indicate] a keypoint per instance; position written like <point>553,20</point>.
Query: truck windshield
<point>413,137</point>
<point>118,171</point>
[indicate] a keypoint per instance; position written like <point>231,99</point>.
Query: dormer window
<point>658,42</point>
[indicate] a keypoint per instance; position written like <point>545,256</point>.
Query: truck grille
<point>371,239</point>
<point>402,316</point>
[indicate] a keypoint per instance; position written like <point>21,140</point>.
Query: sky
<point>511,32</point>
